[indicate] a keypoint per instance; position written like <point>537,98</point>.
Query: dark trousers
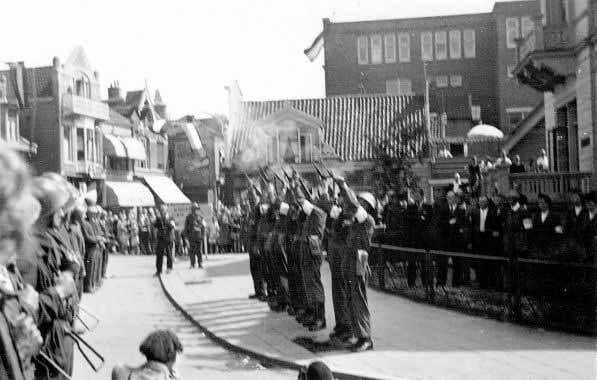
<point>105,257</point>
<point>294,275</point>
<point>196,251</point>
<point>336,259</point>
<point>255,266</point>
<point>164,248</point>
<point>313,285</point>
<point>90,269</point>
<point>280,264</point>
<point>145,243</point>
<point>360,316</point>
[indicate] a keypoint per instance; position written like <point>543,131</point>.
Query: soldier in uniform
<point>361,225</point>
<point>255,256</point>
<point>280,253</point>
<point>311,251</point>
<point>194,231</point>
<point>164,226</point>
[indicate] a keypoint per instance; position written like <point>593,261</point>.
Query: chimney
<point>114,92</point>
<point>56,62</point>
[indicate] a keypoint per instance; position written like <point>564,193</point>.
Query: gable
<point>289,118</point>
<point>78,59</point>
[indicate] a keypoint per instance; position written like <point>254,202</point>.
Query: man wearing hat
<point>164,226</point>
<point>194,231</point>
<point>52,275</point>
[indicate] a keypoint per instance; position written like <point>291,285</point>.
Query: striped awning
<point>134,149</point>
<point>113,146</point>
<point>166,190</point>
<point>128,194</point>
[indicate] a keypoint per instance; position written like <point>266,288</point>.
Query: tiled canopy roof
<point>350,123</point>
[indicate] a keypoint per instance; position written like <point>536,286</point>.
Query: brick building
<point>467,60</point>
<point>558,60</point>
<point>63,116</point>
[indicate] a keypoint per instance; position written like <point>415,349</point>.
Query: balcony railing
<point>556,185</point>
<point>79,105</point>
<point>544,39</point>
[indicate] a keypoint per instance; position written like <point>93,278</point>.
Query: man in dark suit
<point>484,225</point>
<point>451,223</point>
<point>164,226</point>
<point>547,228</point>
<point>575,221</point>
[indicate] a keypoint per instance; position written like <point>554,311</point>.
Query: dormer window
<point>82,86</point>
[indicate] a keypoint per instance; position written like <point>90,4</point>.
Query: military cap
<point>50,195</point>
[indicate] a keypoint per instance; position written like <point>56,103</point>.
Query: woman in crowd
<point>160,349</point>
<point>123,235</point>
<point>133,228</point>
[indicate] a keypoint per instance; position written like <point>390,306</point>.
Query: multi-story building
<point>63,117</point>
<point>196,148</point>
<point>139,127</point>
<point>558,60</point>
<point>10,108</point>
<point>466,59</point>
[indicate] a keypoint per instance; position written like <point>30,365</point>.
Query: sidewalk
<point>412,340</point>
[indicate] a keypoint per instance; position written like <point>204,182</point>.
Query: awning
<point>191,133</point>
<point>166,190</point>
<point>128,194</point>
<point>113,146</point>
<point>134,149</point>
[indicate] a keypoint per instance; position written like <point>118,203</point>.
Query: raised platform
<point>412,340</point>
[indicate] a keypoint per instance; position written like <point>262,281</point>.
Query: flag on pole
<point>312,52</point>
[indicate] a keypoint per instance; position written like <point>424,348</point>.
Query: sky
<point>190,50</point>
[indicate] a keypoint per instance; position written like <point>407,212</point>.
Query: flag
<point>312,52</point>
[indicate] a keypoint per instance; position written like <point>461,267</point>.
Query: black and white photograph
<point>311,190</point>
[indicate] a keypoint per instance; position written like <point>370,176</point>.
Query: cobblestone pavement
<point>412,340</point>
<point>131,304</point>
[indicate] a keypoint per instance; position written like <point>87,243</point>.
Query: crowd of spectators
<point>505,225</point>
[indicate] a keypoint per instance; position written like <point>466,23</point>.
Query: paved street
<point>412,340</point>
<point>130,304</point>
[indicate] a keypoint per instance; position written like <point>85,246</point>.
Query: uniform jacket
<point>194,230</point>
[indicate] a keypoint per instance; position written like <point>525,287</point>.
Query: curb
<point>267,360</point>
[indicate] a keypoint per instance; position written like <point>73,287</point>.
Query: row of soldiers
<point>288,227</point>
<point>52,249</point>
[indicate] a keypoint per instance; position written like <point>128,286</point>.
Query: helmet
<point>50,194</point>
<point>369,199</point>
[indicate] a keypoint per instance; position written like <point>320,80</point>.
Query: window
<point>455,44</point>
<point>426,46</point>
<point>404,47</point>
<point>476,112</point>
<point>160,153</point>
<point>512,32</point>
<point>390,48</point>
<point>527,25</point>
<point>376,56</point>
<point>363,48</point>
<point>469,43</point>
<point>510,71</point>
<point>80,144</point>
<point>392,87</point>
<point>456,80</point>
<point>399,86</point>
<point>306,148</point>
<point>90,146</point>
<point>564,11</point>
<point>441,81</point>
<point>441,49</point>
<point>67,144</point>
<point>405,86</point>
<point>543,6</point>
<point>83,86</point>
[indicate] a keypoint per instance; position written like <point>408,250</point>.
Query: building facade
<point>10,109</point>
<point>466,59</point>
<point>559,60</point>
<point>63,118</point>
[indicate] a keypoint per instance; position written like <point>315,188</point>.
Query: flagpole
<point>427,113</point>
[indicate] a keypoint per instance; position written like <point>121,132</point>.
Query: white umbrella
<point>485,131</point>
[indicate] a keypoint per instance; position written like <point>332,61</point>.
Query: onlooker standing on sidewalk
<point>144,231</point>
<point>133,228</point>
<point>164,226</point>
<point>194,232</point>
<point>517,166</point>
